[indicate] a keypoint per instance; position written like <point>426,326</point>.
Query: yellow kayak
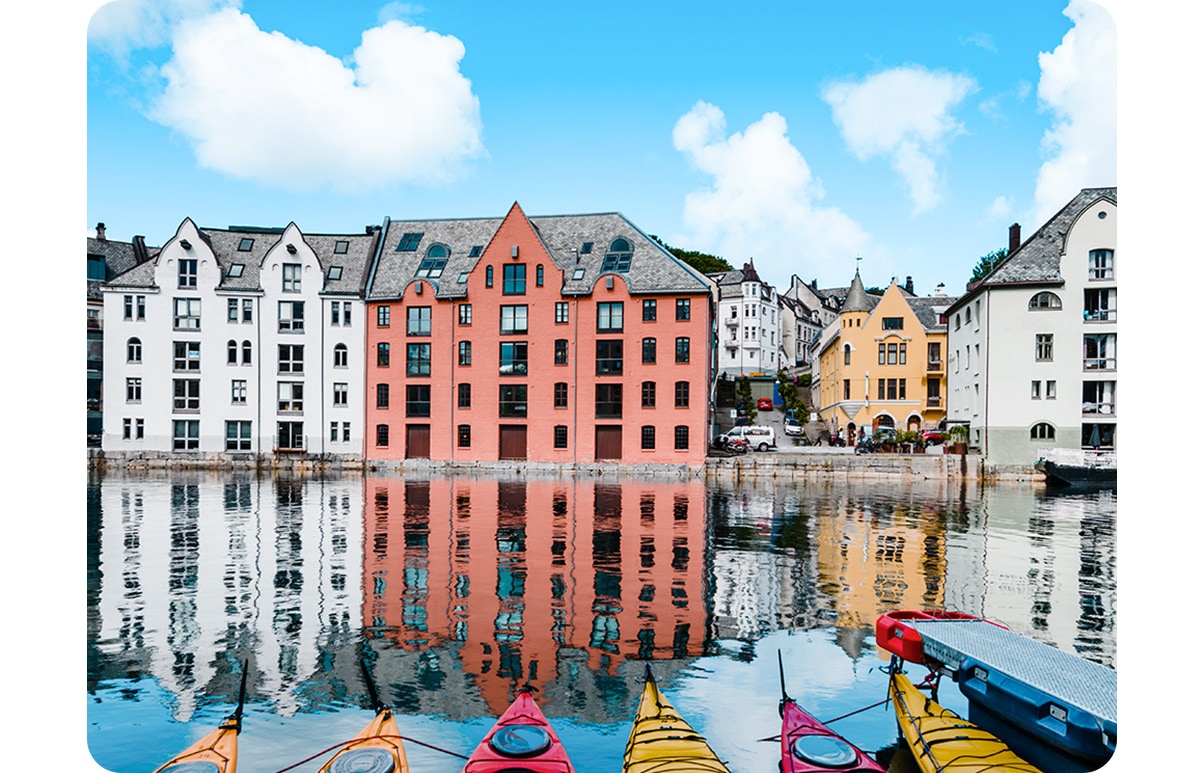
<point>662,741</point>
<point>375,749</point>
<point>217,752</point>
<point>942,741</point>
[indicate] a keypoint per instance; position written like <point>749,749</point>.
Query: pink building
<point>568,339</point>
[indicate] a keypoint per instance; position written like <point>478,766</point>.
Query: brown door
<point>608,442</point>
<point>418,441</point>
<point>512,441</point>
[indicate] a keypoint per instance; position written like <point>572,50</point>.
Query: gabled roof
<point>395,269</point>
<point>928,311</point>
<point>118,257</point>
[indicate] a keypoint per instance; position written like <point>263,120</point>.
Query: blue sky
<point>803,135</point>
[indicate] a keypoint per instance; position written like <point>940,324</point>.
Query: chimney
<point>140,253</point>
<point>100,231</point>
<point>1013,238</point>
<point>909,286</point>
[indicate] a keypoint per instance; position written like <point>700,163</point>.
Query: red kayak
<point>521,741</point>
<point>810,746</point>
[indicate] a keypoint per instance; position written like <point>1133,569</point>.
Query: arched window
<point>246,352</point>
<point>1044,300</point>
<point>133,350</point>
<point>232,352</point>
<point>340,355</point>
<point>1041,431</point>
<point>618,257</point>
<point>848,354</point>
<point>433,264</point>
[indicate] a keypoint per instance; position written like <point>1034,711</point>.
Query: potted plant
<point>910,440</point>
<point>959,435</point>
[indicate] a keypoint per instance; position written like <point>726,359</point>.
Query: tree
<point>744,400</point>
<point>788,391</point>
<point>987,263</point>
<point>707,264</point>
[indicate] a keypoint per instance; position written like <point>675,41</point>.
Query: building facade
<point>1032,359</point>
<point>749,323</point>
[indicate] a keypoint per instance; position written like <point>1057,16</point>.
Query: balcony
<point>1099,408</point>
<point>1099,315</point>
<point>732,322</point>
<point>934,402</point>
<point>1099,363</point>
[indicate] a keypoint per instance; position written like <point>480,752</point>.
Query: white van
<point>759,438</point>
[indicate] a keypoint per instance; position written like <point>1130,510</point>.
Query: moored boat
<point>662,741</point>
<point>521,741</point>
<point>217,751</point>
<point>940,740</point>
<point>1066,467</point>
<point>375,749</point>
<point>810,746</point>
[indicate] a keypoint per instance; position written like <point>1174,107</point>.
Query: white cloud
<point>904,114</point>
<point>1078,86</point>
<point>125,25</point>
<point>981,39</point>
<point>260,106</point>
<point>761,202</point>
<point>1000,208</point>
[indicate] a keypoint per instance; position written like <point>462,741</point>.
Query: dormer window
<point>618,257</point>
<point>245,245</point>
<point>432,265</point>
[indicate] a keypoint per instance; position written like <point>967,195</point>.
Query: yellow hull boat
<point>217,752</point>
<point>375,749</point>
<point>942,741</point>
<point>662,741</point>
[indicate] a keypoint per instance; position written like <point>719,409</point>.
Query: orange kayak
<point>375,749</point>
<point>217,752</point>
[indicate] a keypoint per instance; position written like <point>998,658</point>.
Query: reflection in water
<point>463,587</point>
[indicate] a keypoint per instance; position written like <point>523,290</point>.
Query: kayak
<point>375,749</point>
<point>940,740</point>
<point>809,745</point>
<point>217,752</point>
<point>521,741</point>
<point>662,741</point>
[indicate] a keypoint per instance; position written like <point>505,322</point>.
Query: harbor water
<point>458,589</point>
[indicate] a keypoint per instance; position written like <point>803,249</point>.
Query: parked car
<point>759,437</point>
<point>932,437</point>
<point>792,428</point>
<point>764,404</point>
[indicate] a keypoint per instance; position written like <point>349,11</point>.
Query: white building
<point>1032,346</point>
<point>263,328</point>
<point>749,323</point>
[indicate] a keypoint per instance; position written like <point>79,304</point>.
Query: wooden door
<point>608,442</point>
<point>418,441</point>
<point>512,441</point>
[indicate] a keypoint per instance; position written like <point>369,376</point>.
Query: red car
<point>764,404</point>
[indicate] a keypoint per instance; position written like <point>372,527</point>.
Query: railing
<point>1099,363</point>
<point>1099,315</point>
<point>936,365</point>
<point>934,402</point>
<point>1101,407</point>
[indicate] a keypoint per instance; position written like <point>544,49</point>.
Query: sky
<point>816,139</point>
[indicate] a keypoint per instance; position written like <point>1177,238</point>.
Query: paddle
<point>782,681</point>
<point>236,717</point>
<point>377,706</point>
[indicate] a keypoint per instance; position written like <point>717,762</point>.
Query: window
<point>340,355</point>
<point>578,273</point>
<point>610,317</point>
<point>1041,431</point>
<point>382,355</point>
<point>562,312</point>
<point>512,400</point>
<point>892,389</point>
<point>231,309</point>
<point>466,352</point>
<point>418,359</point>
<point>432,266</point>
<point>848,354</point>
<point>489,276</point>
<point>1044,300</point>
<point>1099,305</point>
<point>892,354</point>
<point>608,401</point>
<point>514,279</point>
<point>681,350</point>
<point>340,394</point>
<point>560,436</point>
<point>340,313</point>
<point>1036,389</point>
<point>1044,347</point>
<point>464,436</point>
<point>340,247</point>
<point>560,355</point>
<point>238,391</point>
<point>418,321</point>
<point>650,310</point>
<point>290,396</point>
<point>409,242</point>
<point>133,429</point>
<point>291,273</point>
<point>185,435</point>
<point>186,355</point>
<point>1099,351</point>
<point>186,394</point>
<point>238,436</point>
<point>187,273</point>
<point>246,352</point>
<point>244,245</point>
<point>465,310</point>
<point>187,314</point>
<point>1100,264</point>
<point>133,350</point>
<point>683,308</point>
<point>618,257</point>
<point>539,275</point>
<point>934,356</point>
<point>382,315</point>
<point>382,395</point>
<point>609,358</point>
<point>232,352</point>
<point>846,389</point>
<point>512,359</point>
<point>648,351</point>
<point>292,316</point>
<point>382,435</point>
<point>290,358</point>
<point>464,396</point>
<point>346,432</point>
<point>648,437</point>
<point>560,394</point>
<point>235,270</point>
<point>648,394</point>
<point>892,323</point>
<point>248,305</point>
<point>135,306</point>
<point>514,320</point>
<point>133,390</point>
<point>681,394</point>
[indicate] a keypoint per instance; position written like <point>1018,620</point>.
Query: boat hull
<point>522,739</point>
<point>810,746</point>
<point>940,740</point>
<point>662,741</point>
<point>217,752</point>
<point>377,748</point>
<point>1058,474</point>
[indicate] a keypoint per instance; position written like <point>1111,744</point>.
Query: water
<point>459,589</point>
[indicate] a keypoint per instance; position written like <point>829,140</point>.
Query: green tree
<point>987,264</point>
<point>744,399</point>
<point>707,264</point>
<point>788,391</point>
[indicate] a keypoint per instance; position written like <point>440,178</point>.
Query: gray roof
<point>857,298</point>
<point>926,311</point>
<point>394,270</point>
<point>118,258</point>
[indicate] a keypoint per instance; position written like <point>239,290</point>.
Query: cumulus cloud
<point>260,106</point>
<point>905,115</point>
<point>762,199</point>
<point>122,26</point>
<point>1001,207</point>
<point>1078,87</point>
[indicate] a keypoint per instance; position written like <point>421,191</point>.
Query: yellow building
<point>882,363</point>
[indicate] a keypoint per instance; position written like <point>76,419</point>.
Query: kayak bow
<point>662,741</point>
<point>375,749</point>
<point>810,746</point>
<point>217,752</point>
<point>522,739</point>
